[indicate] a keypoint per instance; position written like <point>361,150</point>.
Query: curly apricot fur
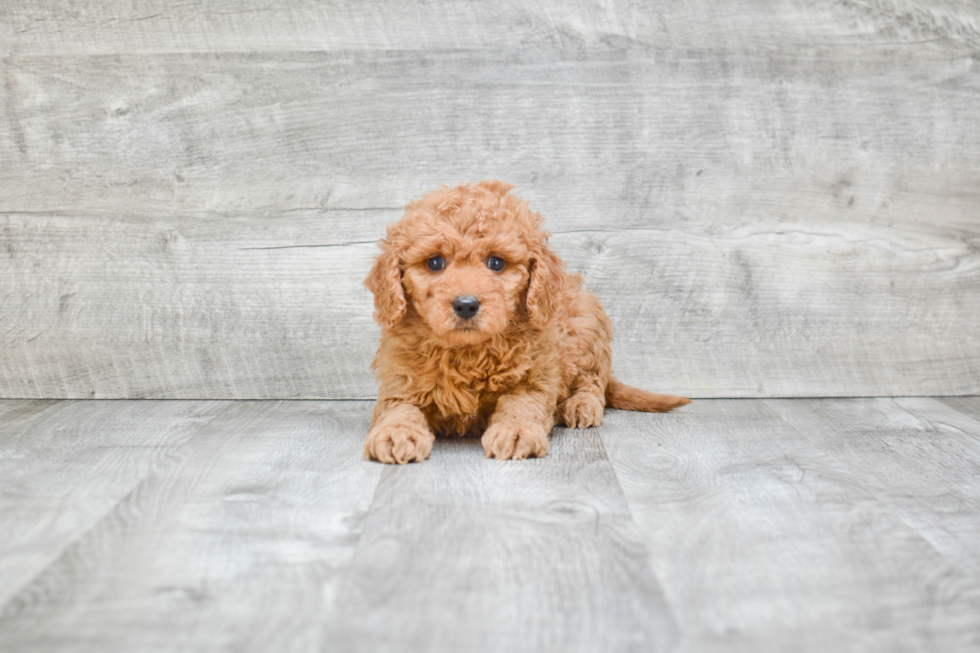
<point>536,353</point>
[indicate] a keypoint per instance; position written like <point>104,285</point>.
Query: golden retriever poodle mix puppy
<point>484,332</point>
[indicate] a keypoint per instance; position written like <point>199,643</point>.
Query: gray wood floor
<point>745,525</point>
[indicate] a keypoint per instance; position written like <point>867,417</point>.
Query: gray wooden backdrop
<point>771,197</point>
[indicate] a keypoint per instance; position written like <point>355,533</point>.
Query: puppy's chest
<point>462,386</point>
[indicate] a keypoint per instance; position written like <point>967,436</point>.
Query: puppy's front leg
<point>399,434</point>
<point>519,426</point>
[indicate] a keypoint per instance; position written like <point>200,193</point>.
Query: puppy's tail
<point>624,397</point>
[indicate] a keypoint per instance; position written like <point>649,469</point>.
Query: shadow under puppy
<point>483,331</point>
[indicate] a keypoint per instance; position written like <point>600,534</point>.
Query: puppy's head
<point>470,261</point>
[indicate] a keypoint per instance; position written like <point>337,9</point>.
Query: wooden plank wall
<point>772,197</point>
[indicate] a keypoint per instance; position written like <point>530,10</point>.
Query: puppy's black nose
<point>466,306</point>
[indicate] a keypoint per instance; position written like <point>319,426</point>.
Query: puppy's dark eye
<point>437,263</point>
<point>495,263</point>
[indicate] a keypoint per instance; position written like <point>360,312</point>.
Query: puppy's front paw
<point>398,443</point>
<point>511,439</point>
<point>582,410</point>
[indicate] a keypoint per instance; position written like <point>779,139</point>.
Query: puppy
<point>484,332</point>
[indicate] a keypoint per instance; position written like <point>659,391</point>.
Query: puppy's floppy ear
<point>496,186</point>
<point>545,289</point>
<point>385,281</point>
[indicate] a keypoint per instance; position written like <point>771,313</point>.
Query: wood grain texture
<point>621,137</point>
<point>730,525</point>
<point>185,311</point>
<point>236,544</point>
<point>814,525</point>
<point>64,465</point>
<point>969,406</point>
<point>232,310</point>
<point>191,225</point>
<point>153,26</point>
<point>462,553</point>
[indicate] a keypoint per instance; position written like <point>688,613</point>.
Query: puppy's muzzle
<point>466,306</point>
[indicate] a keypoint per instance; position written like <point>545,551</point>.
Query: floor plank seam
<point>5,609</point>
<point>622,493</point>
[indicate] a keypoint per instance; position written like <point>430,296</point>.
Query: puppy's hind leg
<point>588,346</point>
<point>585,406</point>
